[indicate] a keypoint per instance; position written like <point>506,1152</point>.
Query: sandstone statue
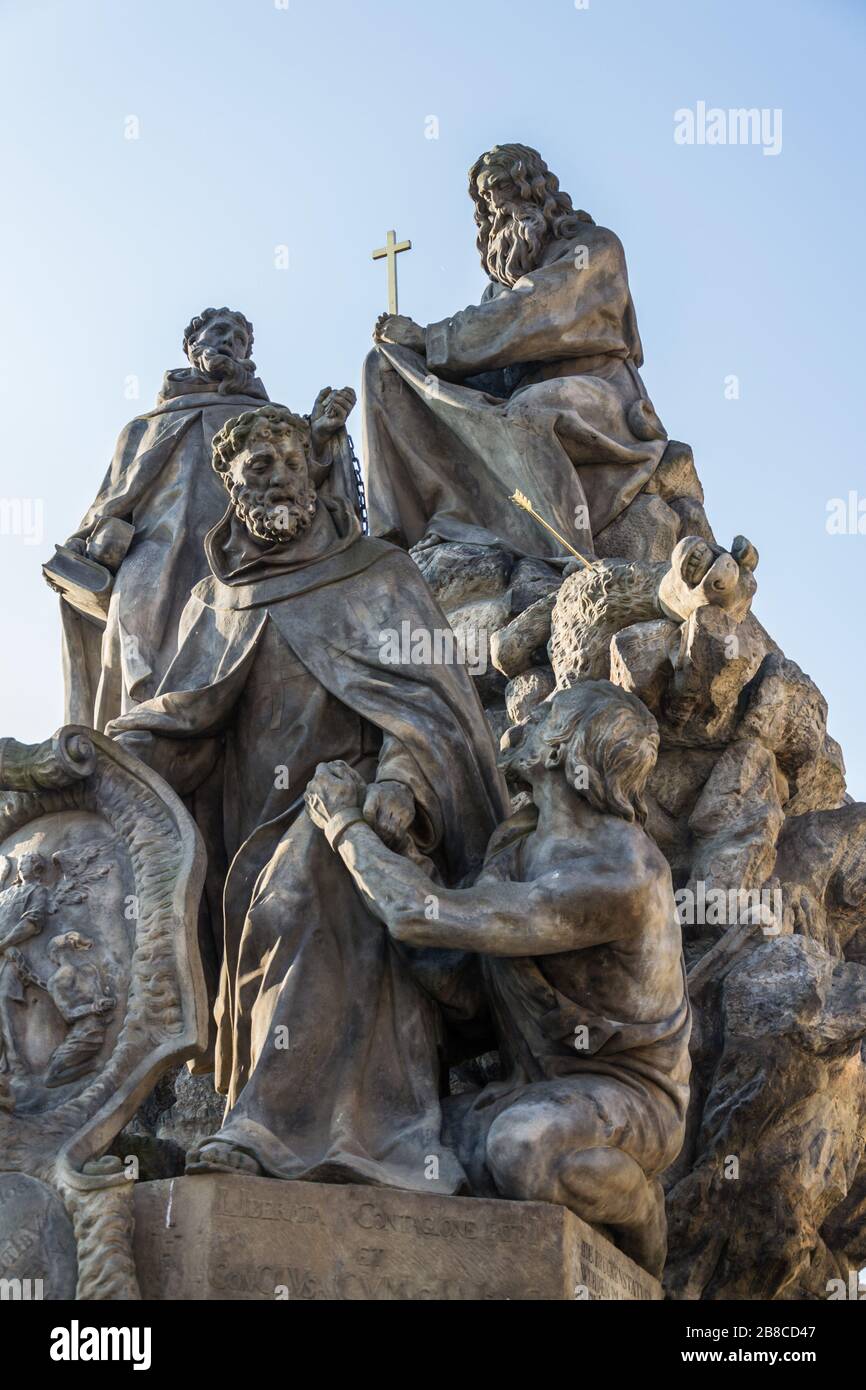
<point>573,919</point>
<point>76,991</point>
<point>328,1047</point>
<point>101,994</point>
<point>537,388</point>
<point>140,545</point>
<point>747,798</point>
<point>487,976</point>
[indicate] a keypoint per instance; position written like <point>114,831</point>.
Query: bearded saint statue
<point>535,389</point>
<point>330,1042</point>
<point>162,495</point>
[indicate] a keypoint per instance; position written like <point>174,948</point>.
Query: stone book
<point>81,582</point>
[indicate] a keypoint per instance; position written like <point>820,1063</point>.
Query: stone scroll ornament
<point>101,992</point>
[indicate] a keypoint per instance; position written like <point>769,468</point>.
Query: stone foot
<point>219,1156</point>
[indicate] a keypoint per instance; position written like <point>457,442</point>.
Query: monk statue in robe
<point>535,389</point>
<point>329,1045</point>
<point>574,923</point>
<point>161,496</point>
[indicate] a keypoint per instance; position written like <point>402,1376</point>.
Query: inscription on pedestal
<point>224,1237</point>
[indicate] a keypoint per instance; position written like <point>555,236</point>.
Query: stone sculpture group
<point>433,928</point>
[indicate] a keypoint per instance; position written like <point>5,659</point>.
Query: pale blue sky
<point>305,126</point>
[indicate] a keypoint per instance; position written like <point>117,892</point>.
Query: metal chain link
<point>359,487</point>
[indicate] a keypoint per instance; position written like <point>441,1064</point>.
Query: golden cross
<point>390,251</point>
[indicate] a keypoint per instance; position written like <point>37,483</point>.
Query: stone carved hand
<point>333,787</point>
<point>401,331</point>
<point>389,808</point>
<point>331,410</point>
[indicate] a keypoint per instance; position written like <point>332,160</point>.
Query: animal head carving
<point>703,573</point>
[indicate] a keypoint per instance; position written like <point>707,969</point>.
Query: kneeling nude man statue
<point>572,919</point>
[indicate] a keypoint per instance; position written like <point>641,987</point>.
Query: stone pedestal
<point>229,1237</point>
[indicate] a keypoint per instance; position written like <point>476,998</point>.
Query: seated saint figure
<point>328,1047</point>
<point>573,920</point>
<point>535,389</point>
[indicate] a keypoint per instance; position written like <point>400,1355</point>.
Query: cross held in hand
<point>390,252</point>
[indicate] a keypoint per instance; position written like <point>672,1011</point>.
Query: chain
<point>359,487</point>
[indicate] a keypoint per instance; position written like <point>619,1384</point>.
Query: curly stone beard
<point>232,374</point>
<point>277,513</point>
<point>518,233</point>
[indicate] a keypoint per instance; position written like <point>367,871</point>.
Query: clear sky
<point>305,125</point>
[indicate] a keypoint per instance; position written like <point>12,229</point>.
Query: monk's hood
<point>188,385</point>
<point>247,574</point>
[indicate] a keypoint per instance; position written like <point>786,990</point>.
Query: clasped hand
<point>401,331</point>
<point>387,807</point>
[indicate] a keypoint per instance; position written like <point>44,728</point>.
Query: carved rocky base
<point>240,1238</point>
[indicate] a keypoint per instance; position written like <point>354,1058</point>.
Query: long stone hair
<point>612,742</point>
<point>534,182</point>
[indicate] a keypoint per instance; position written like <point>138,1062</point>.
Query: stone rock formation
<point>768,858</point>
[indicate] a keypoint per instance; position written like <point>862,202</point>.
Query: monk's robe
<point>328,1047</point>
<point>161,480</point>
<point>536,389</point>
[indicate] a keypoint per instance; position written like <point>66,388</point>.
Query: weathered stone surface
<point>460,573</point>
<point>821,865</point>
<point>736,819</point>
<point>701,575</point>
<point>747,794</point>
<point>342,654</point>
<point>677,483</point>
<point>646,531</point>
<point>781,1138</point>
<point>716,660</point>
<point>591,607</point>
<point>819,785</point>
<point>527,690</point>
<point>77,1071</point>
<point>640,659</point>
<point>37,1242</point>
<point>515,647</point>
<point>568,948</point>
<point>678,776</point>
<point>160,478</point>
<point>532,580</point>
<point>453,426</point>
<point>239,1238</point>
<point>196,1111</point>
<point>676,475</point>
<point>788,713</point>
<point>471,583</point>
<point>692,518</point>
<point>96,1001</point>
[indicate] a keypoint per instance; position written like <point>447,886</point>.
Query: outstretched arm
<point>566,309</point>
<point>560,911</point>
